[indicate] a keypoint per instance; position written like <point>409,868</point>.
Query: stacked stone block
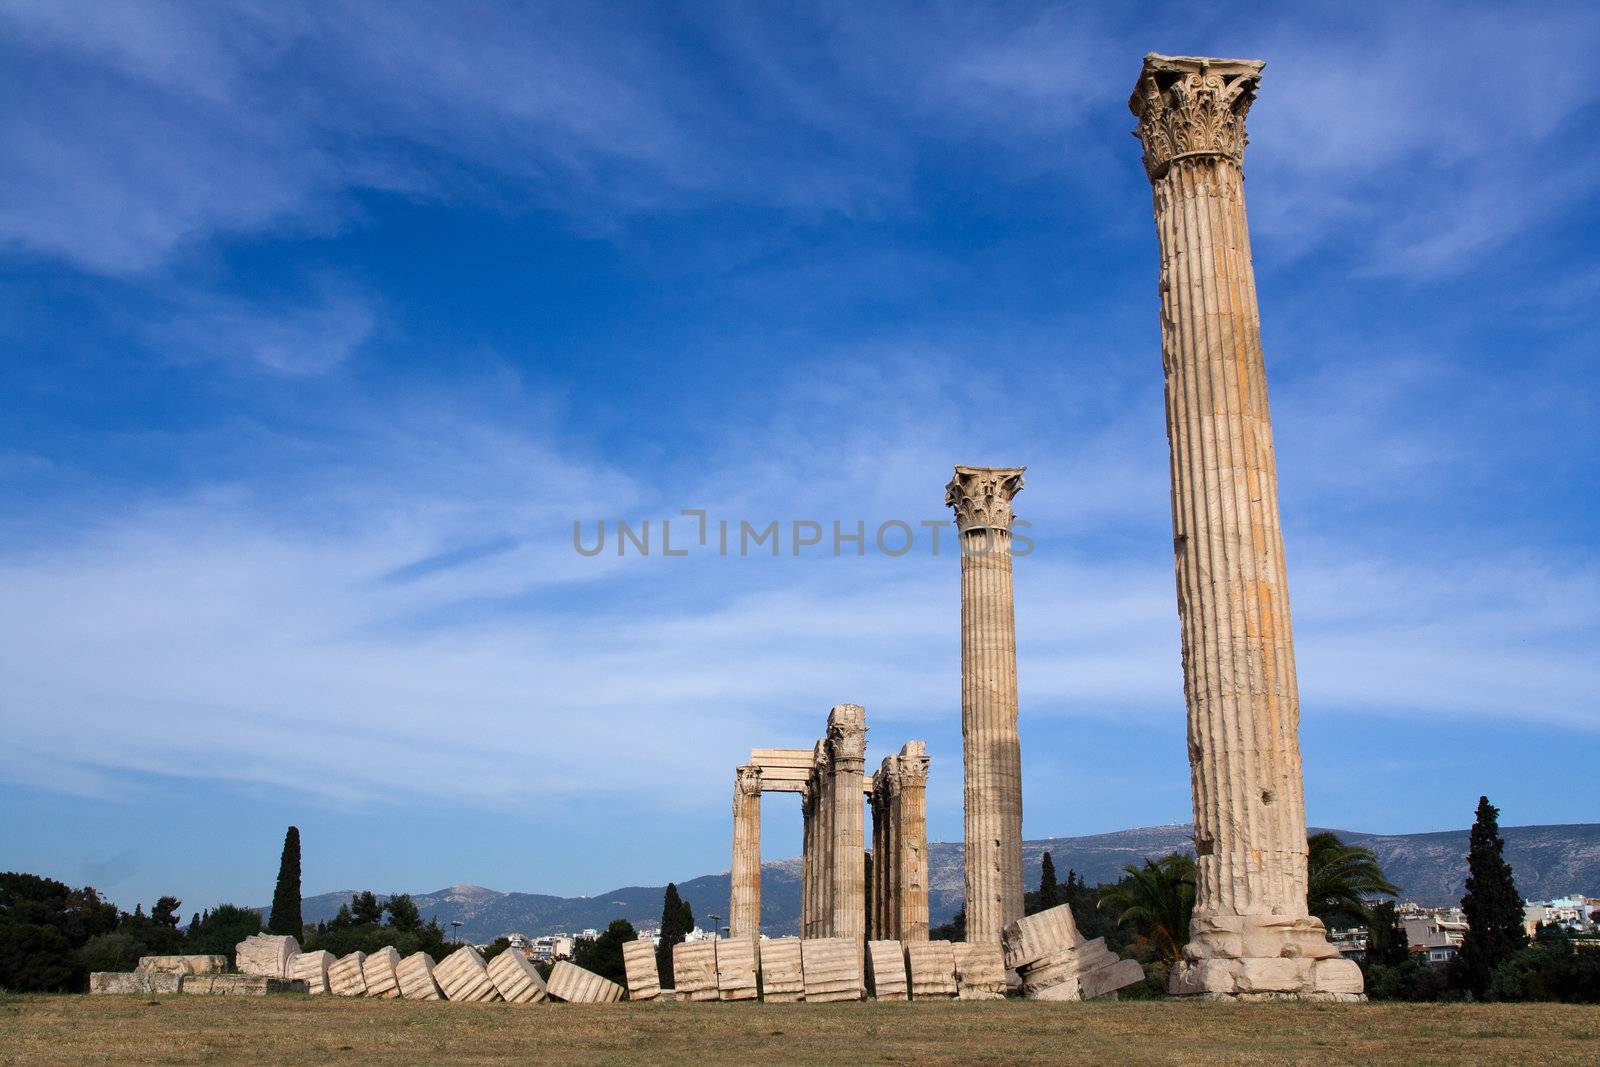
<point>238,985</point>
<point>639,965</point>
<point>462,975</point>
<point>144,983</point>
<point>379,972</point>
<point>266,954</point>
<point>737,962</point>
<point>182,964</point>
<point>931,969</point>
<point>415,976</point>
<point>310,968</point>
<point>782,974</point>
<point>574,985</point>
<point>694,968</point>
<point>980,970</point>
<point>345,977</point>
<point>1056,963</point>
<point>515,979</point>
<point>886,970</point>
<point>832,967</point>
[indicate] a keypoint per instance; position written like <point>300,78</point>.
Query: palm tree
<point>1156,900</point>
<point>1340,878</point>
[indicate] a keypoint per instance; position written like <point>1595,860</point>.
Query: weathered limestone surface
<point>1056,963</point>
<point>991,751</point>
<point>145,983</point>
<point>1251,931</point>
<point>239,985</point>
<point>639,965</point>
<point>737,962</point>
<point>574,985</point>
<point>415,975</point>
<point>346,977</point>
<point>183,964</point>
<point>380,973</point>
<point>744,904</point>
<point>515,979</point>
<point>980,970</point>
<point>832,967</point>
<point>847,760</point>
<point>886,970</point>
<point>266,954</point>
<point>931,969</point>
<point>782,972</point>
<point>694,969</point>
<point>462,975</point>
<point>908,856</point>
<point>310,968</point>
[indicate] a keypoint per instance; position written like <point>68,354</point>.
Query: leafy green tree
<point>1411,980</point>
<point>286,896</point>
<point>364,907</point>
<point>116,951</point>
<point>35,958</point>
<point>1156,901</point>
<point>677,919</point>
<point>1387,944</point>
<point>221,929</point>
<point>77,914</point>
<point>495,947</point>
<point>1340,878</point>
<point>603,954</point>
<point>1492,905</point>
<point>403,914</point>
<point>165,913</point>
<point>342,918</point>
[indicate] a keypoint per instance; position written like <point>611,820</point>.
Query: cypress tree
<point>285,917</point>
<point>1049,891</point>
<point>1492,905</point>
<point>677,919</point>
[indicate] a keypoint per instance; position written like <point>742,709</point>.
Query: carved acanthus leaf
<point>981,496</point>
<point>1191,107</point>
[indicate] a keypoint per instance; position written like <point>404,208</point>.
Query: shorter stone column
<point>847,758</point>
<point>744,895</point>
<point>911,842</point>
<point>808,859</point>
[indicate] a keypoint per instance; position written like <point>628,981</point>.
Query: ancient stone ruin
<point>1251,933</point>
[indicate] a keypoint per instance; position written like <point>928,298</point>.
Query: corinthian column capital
<point>847,733</point>
<point>1191,107</point>
<point>981,496</point>
<point>912,764</point>
<point>747,780</point>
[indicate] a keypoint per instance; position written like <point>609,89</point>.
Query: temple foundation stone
<point>1251,933</point>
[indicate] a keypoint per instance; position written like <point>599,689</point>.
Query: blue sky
<point>321,324</point>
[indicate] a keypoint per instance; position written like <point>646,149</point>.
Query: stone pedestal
<point>345,977</point>
<point>1251,931</point>
<point>931,970</point>
<point>639,965</point>
<point>832,967</point>
<point>572,984</point>
<point>381,973</point>
<point>694,969</point>
<point>886,971</point>
<point>415,975</point>
<point>782,974</point>
<point>991,751</point>
<point>744,904</point>
<point>515,978</point>
<point>462,975</point>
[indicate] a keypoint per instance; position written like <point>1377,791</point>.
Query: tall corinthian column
<point>847,762</point>
<point>744,903</point>
<point>1251,932</point>
<point>991,753</point>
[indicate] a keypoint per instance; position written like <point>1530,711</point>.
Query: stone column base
<point>1267,978</point>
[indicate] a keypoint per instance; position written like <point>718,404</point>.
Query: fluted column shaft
<point>991,750</point>
<point>1250,930</point>
<point>808,859</point>
<point>744,904</point>
<point>847,751</point>
<point>911,844</point>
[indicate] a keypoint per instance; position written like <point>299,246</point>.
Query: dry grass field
<point>298,1030</point>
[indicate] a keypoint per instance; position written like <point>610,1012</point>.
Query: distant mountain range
<point>1549,861</point>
